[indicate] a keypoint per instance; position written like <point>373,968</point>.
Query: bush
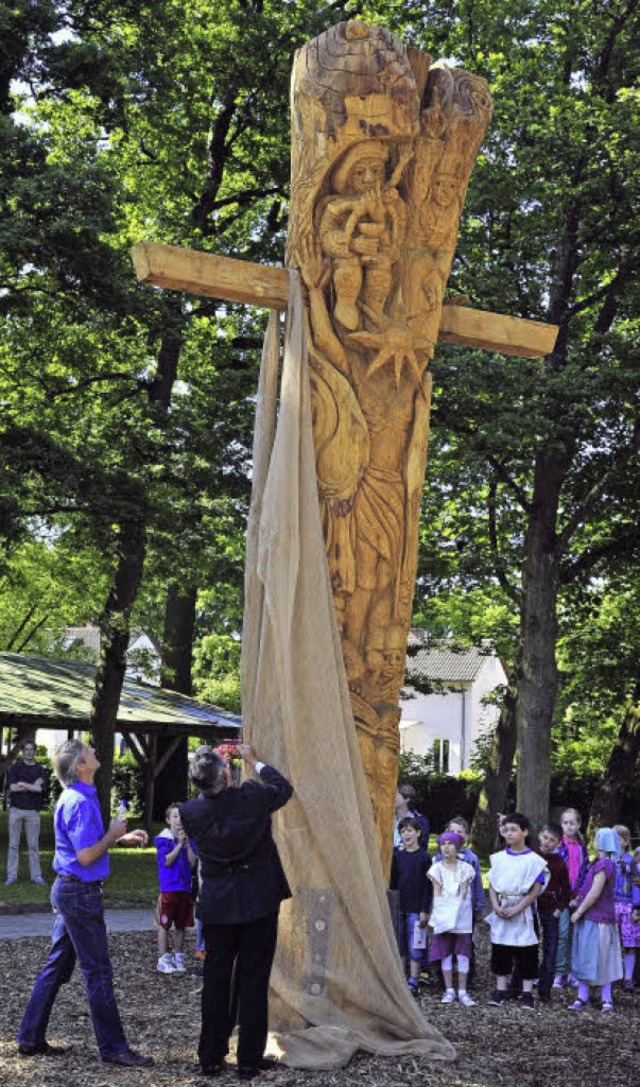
<point>128,784</point>
<point>439,796</point>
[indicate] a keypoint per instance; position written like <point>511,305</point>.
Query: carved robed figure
<point>383,146</point>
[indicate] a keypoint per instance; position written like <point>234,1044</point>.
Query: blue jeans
<point>549,931</point>
<point>565,931</point>
<point>407,927</point>
<point>79,932</point>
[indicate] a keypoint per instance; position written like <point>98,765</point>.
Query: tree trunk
<point>179,625</point>
<point>116,617</point>
<point>177,649</point>
<point>114,629</point>
<point>537,679</point>
<point>493,796</point>
<point>606,808</point>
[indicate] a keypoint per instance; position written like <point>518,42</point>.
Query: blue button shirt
<point>78,824</point>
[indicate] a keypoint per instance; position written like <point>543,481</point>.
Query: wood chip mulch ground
<point>497,1047</point>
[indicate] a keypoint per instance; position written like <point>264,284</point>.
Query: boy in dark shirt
<point>409,877</point>
<point>552,901</point>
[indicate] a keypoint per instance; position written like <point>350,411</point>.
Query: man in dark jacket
<point>242,884</point>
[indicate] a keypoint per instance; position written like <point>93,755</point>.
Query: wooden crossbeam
<point>264,285</point>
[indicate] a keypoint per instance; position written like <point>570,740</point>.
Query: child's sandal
<point>579,1005</point>
<point>607,1006</point>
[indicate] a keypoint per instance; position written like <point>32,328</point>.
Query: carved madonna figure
<point>383,146</point>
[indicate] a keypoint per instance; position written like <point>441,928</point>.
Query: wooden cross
<point>264,285</point>
<point>383,144</point>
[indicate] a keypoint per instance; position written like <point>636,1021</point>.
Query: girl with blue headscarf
<point>596,958</point>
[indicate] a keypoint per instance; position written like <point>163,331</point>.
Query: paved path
<point>16,925</point>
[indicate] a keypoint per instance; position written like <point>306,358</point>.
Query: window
<point>441,756</point>
<point>445,757</point>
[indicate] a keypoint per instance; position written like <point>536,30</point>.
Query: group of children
<point>583,916</point>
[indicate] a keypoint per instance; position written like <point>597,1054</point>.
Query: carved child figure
<point>361,226</point>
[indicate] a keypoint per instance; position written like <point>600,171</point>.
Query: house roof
<point>53,693</point>
<point>90,635</point>
<point>444,664</point>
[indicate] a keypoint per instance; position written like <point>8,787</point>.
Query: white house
<point>455,715</point>
<point>143,655</point>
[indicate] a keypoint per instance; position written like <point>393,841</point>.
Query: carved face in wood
<point>444,190</point>
<point>362,169</point>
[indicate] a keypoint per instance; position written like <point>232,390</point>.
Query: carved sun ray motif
<point>394,341</point>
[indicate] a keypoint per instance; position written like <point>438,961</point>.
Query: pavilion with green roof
<point>44,693</point>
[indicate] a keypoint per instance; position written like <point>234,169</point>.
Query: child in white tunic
<point>452,915</point>
<point>516,878</point>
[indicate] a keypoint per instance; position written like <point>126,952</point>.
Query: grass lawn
<point>133,881</point>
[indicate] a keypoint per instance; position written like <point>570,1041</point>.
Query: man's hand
<point>424,917</point>
<point>134,837</point>
<point>248,754</point>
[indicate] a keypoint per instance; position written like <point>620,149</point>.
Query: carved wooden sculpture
<point>383,146</point>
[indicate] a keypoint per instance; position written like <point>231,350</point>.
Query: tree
<point>551,227</point>
<point>139,121</point>
<point>126,121</point>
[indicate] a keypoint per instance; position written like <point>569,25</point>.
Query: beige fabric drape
<point>337,983</point>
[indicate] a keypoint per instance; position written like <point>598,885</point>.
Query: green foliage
<point>128,783</point>
<point>439,796</point>
<point>123,406</point>
<point>133,882</point>
<point>216,671</point>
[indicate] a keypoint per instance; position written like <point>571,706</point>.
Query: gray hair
<point>65,761</point>
<point>207,771</point>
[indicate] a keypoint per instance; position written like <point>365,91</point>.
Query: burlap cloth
<point>337,982</point>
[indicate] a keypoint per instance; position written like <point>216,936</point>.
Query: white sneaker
<point>165,965</point>
<point>449,997</point>
<point>178,963</point>
<point>465,999</point>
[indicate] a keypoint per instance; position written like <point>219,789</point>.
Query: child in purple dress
<point>595,956</point>
<point>628,929</point>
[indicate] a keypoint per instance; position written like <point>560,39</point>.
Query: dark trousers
<point>522,960</point>
<point>237,967</point>
<point>549,930</point>
<point>79,932</point>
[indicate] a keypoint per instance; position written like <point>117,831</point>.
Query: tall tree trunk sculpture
<point>383,146</point>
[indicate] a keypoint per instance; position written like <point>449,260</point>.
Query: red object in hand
<point>230,751</point>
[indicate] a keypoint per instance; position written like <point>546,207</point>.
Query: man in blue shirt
<point>81,863</point>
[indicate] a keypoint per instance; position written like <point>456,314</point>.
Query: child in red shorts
<point>176,859</point>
